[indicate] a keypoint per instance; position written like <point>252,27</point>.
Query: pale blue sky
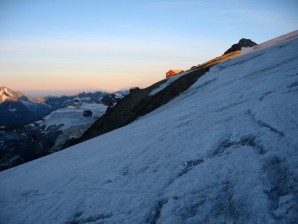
<point>69,46</point>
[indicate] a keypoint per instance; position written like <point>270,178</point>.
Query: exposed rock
<point>87,113</point>
<point>134,89</point>
<point>108,100</point>
<point>139,101</point>
<point>242,43</point>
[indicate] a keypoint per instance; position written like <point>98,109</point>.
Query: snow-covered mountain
<point>71,110</point>
<point>7,94</point>
<point>18,109</point>
<point>108,99</point>
<point>78,116</point>
<point>48,135</point>
<point>223,151</point>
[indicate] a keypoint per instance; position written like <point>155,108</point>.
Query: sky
<point>54,47</point>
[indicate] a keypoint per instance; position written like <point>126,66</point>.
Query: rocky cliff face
<point>243,43</point>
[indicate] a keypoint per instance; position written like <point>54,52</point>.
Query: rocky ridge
<point>243,43</point>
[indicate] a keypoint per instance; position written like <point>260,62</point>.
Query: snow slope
<point>224,151</point>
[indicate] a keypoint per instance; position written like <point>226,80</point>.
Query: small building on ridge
<point>173,72</point>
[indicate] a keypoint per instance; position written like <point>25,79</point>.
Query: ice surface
<point>224,151</point>
<point>71,116</point>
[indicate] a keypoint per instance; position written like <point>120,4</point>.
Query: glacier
<point>223,151</point>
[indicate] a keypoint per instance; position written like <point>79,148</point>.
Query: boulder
<point>87,113</point>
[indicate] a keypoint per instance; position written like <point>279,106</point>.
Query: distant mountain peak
<point>243,42</point>
<point>7,94</point>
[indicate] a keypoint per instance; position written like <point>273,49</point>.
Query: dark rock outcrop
<point>242,43</point>
<point>108,100</point>
<point>17,113</point>
<point>87,113</point>
<point>139,101</point>
<point>22,144</point>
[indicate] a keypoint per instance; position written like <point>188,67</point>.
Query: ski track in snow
<point>224,151</point>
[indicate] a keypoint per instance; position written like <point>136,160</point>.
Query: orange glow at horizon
<point>76,82</point>
<point>77,64</point>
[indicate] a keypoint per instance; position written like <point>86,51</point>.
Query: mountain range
<point>31,129</point>
<point>215,144</point>
<point>18,109</point>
